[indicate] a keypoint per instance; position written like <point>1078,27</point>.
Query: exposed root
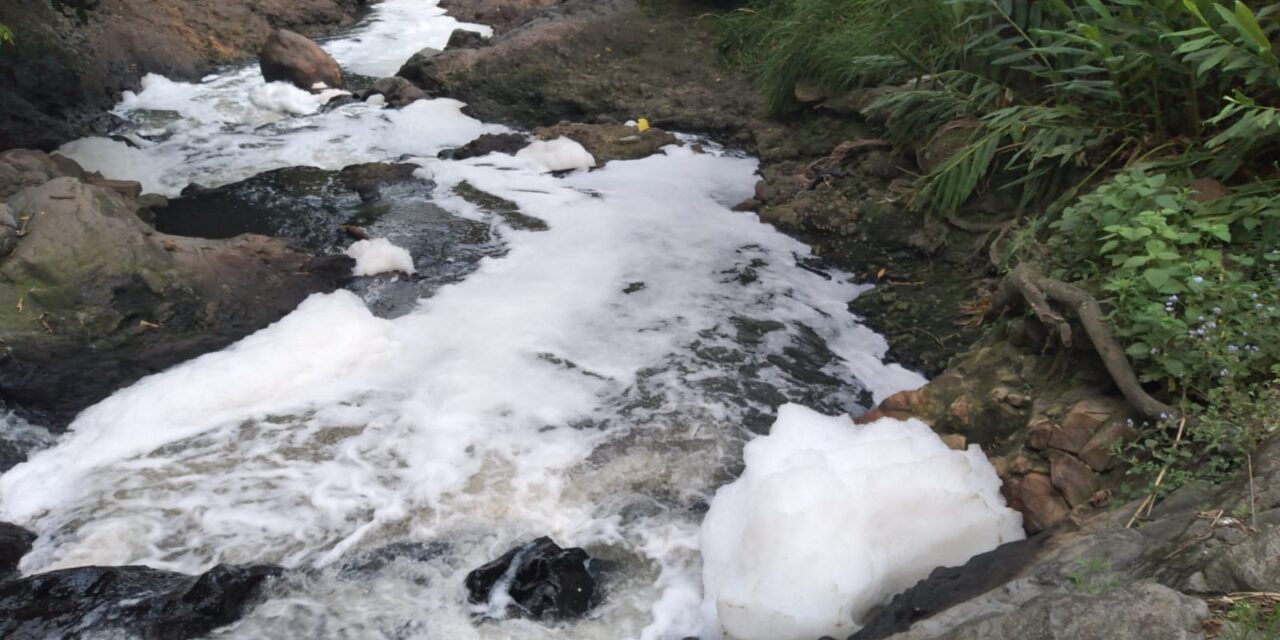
<point>815,172</point>
<point>1025,285</point>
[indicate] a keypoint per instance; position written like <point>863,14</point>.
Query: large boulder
<point>536,580</point>
<point>15,542</point>
<point>127,602</point>
<point>396,91</point>
<point>294,58</point>
<point>94,299</point>
<point>22,168</point>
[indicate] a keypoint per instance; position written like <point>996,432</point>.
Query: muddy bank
<point>60,75</point>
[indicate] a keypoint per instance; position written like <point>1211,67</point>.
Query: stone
<point>1252,565</point>
<point>397,92</point>
<point>367,179</point>
<point>15,542</point>
<point>508,143</point>
<point>546,581</point>
<point>1082,421</point>
<point>607,142</point>
<point>1040,431</point>
<point>89,273</point>
<point>1073,478</point>
<point>1208,190</point>
<point>134,602</point>
<point>22,168</point>
<point>948,139</point>
<point>419,69</point>
<point>1033,496</point>
<point>464,39</point>
<point>955,441</point>
<point>127,188</point>
<point>1098,453</point>
<point>807,92</point>
<point>294,58</point>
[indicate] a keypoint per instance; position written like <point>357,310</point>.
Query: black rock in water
<point>15,542</point>
<point>135,602</point>
<point>544,581</point>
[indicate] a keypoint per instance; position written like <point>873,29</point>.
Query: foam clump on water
<point>561,154</point>
<point>379,256</point>
<point>831,518</point>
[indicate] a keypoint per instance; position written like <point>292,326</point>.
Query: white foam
<point>378,255</point>
<point>285,98</point>
<point>561,154</point>
<point>397,30</point>
<point>831,518</point>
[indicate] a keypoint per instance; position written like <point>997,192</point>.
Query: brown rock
<point>22,168</point>
<point>806,92</point>
<point>1097,453</point>
<point>1208,190</point>
<point>607,142</point>
<point>1073,478</point>
<point>291,57</point>
<point>397,91</point>
<point>1040,431</point>
<point>1033,496</point>
<point>126,188</point>
<point>950,138</point>
<point>1083,419</point>
<point>955,441</point>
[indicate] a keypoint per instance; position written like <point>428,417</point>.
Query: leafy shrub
<point>1191,287</point>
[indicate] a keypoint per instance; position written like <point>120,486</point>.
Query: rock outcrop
<point>15,542</point>
<point>540,579</point>
<point>132,602</point>
<point>296,59</point>
<point>94,298</point>
<point>60,76</point>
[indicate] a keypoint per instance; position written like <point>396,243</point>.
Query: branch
<point>1025,284</point>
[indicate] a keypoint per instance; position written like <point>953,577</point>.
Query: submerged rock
<point>294,58</point>
<point>94,298</point>
<point>486,144</point>
<point>15,542</point>
<point>536,580</point>
<point>134,602</point>
<point>397,92</point>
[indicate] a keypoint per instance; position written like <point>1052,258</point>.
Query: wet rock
<point>134,602</point>
<point>463,39</point>
<point>367,179</point>
<point>95,299</point>
<point>1073,478</point>
<point>508,143</point>
<point>371,563</point>
<point>60,77</point>
<point>420,70</point>
<point>294,58</point>
<point>397,92</point>
<point>607,142</point>
<point>15,542</point>
<point>542,580</point>
<point>1034,496</point>
<point>948,586</point>
<point>22,168</point>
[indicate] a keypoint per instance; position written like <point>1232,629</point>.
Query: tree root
<point>1025,285</point>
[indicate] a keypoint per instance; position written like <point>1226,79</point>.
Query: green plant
<point>6,35</point>
<point>1088,577</point>
<point>1249,621</point>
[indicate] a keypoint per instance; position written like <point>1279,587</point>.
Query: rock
<point>1040,431</point>
<point>367,179</point>
<point>1082,421</point>
<point>502,15</point>
<point>1098,452</point>
<point>807,92</point>
<point>397,91</point>
<point>420,70</point>
<point>105,299</point>
<point>134,602</point>
<point>948,586</point>
<point>956,441</point>
<point>1073,478</point>
<point>291,57</point>
<point>8,230</point>
<point>15,542</point>
<point>1143,610</point>
<point>22,168</point>
<point>126,188</point>
<point>1252,565</point>
<point>508,143</point>
<point>548,582</point>
<point>1208,190</point>
<point>464,39</point>
<point>1033,495</point>
<point>948,139</point>
<point>60,77</point>
<point>607,142</point>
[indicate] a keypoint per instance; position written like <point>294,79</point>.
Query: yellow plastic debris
<point>642,125</point>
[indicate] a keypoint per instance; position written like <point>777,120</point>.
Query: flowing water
<point>594,381</point>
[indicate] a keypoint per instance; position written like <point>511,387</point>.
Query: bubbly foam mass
<point>378,255</point>
<point>832,518</point>
<point>561,154</point>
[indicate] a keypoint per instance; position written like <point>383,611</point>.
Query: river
<point>594,382</point>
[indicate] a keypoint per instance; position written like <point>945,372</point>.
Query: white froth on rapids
<point>592,384</point>
<point>377,256</point>
<point>832,518</point>
<point>561,154</point>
